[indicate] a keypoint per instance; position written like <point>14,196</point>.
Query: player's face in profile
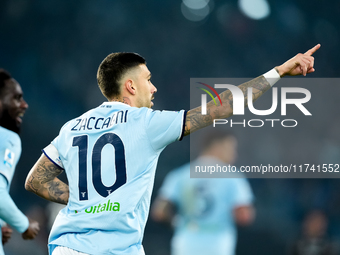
<point>13,106</point>
<point>145,89</point>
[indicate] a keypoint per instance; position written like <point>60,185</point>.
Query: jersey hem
<point>183,126</point>
<point>5,178</point>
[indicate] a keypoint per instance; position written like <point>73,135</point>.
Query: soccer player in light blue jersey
<point>12,109</point>
<point>205,211</point>
<point>110,155</point>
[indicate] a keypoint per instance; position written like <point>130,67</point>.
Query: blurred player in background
<point>314,239</point>
<point>110,155</point>
<point>12,109</point>
<point>204,210</point>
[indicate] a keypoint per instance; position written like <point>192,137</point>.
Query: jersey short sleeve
<point>164,127</point>
<point>52,154</point>
<point>243,192</point>
<point>10,151</point>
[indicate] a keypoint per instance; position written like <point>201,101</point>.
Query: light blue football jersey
<point>204,224</point>
<point>110,155</point>
<point>10,151</point>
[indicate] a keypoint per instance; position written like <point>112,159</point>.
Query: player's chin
<point>18,121</point>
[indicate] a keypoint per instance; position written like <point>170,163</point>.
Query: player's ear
<point>130,86</point>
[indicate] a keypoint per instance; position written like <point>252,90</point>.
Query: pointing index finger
<point>311,51</point>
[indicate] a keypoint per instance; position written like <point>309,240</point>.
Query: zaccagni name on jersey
<point>99,123</point>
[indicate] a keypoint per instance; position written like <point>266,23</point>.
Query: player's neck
<point>124,100</point>
<point>7,122</point>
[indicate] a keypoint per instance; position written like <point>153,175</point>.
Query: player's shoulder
<point>140,113</point>
<point>161,115</point>
<point>9,136</point>
<point>180,171</point>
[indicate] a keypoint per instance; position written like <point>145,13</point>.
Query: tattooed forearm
<point>58,191</point>
<point>195,120</point>
<point>42,180</point>
<point>259,85</point>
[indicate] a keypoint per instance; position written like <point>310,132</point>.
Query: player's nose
<point>24,104</point>
<point>154,89</point>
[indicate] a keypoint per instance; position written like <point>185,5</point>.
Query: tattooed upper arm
<point>42,181</point>
<point>42,172</point>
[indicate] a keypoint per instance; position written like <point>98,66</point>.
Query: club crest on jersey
<point>58,161</point>
<point>9,158</point>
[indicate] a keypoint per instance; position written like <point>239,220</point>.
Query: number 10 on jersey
<point>96,154</point>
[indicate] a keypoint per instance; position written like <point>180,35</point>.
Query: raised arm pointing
<point>301,64</point>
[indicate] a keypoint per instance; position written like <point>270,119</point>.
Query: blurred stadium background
<point>53,48</point>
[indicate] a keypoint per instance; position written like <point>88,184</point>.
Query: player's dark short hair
<point>4,75</point>
<point>112,69</point>
<point>214,136</point>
